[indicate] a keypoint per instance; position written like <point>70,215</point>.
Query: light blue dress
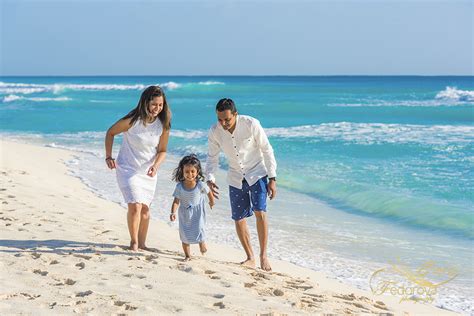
<point>192,212</point>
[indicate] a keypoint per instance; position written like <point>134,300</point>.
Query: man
<point>251,175</point>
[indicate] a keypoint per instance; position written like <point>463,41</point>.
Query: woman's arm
<point>160,154</point>
<point>119,127</point>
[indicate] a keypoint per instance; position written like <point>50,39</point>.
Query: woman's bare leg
<point>143,228</point>
<point>133,221</point>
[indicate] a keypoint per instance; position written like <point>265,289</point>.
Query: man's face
<point>227,119</point>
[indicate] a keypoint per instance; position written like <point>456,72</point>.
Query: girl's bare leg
<point>187,252</point>
<point>202,247</point>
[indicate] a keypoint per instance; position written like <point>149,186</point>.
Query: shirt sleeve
<point>203,188</point>
<point>266,148</point>
<point>177,191</point>
<point>212,161</point>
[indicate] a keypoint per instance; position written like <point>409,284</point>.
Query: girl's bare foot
<point>250,263</point>
<point>265,264</point>
<point>133,246</point>
<point>202,248</point>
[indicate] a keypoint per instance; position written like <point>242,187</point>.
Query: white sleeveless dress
<point>136,156</point>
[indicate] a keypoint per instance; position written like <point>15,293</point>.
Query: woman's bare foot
<point>187,259</point>
<point>265,264</point>
<point>250,263</point>
<point>133,246</point>
<point>203,248</point>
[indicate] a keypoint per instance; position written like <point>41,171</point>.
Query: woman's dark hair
<point>178,173</point>
<point>226,104</point>
<point>141,111</point>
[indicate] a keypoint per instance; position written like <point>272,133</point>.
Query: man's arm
<point>212,162</point>
<point>268,157</point>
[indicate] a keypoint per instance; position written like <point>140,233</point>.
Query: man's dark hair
<point>226,104</point>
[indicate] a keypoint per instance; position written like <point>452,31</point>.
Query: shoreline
<point>58,229</point>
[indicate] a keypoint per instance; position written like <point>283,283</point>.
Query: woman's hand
<point>152,171</point>
<point>172,217</point>
<point>110,162</point>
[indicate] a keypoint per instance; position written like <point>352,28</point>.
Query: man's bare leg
<point>262,229</point>
<point>244,236</point>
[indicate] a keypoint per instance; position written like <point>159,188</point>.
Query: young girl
<point>145,138</point>
<point>189,195</point>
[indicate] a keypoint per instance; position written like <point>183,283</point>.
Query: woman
<point>145,138</point>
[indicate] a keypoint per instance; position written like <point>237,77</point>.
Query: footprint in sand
<point>82,256</point>
<point>151,257</point>
<point>259,275</point>
<point>81,265</point>
<point>54,262</point>
<point>35,255</point>
<point>149,286</point>
<point>42,273</point>
<point>219,296</point>
<point>66,282</point>
<point>184,268</point>
<point>219,304</point>
<point>84,294</point>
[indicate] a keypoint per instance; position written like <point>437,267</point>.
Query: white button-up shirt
<point>248,152</point>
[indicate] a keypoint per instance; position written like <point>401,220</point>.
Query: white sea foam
<point>210,83</point>
<point>189,134</point>
<point>451,96</point>
<point>28,88</point>
<point>452,93</point>
<point>370,133</point>
<point>12,97</point>
<point>170,85</point>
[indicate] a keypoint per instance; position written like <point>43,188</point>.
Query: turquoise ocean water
<point>370,168</point>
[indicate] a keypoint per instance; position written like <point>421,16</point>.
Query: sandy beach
<point>63,251</point>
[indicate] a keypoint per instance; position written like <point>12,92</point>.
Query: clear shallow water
<point>390,158</point>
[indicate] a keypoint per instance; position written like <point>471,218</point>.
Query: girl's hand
<point>152,171</point>
<point>172,217</point>
<point>110,162</point>
<point>211,204</point>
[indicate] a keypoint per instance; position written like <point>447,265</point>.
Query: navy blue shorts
<point>245,201</point>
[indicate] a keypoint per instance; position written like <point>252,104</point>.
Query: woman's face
<point>155,106</point>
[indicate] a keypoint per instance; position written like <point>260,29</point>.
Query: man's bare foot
<point>133,246</point>
<point>265,264</point>
<point>187,259</point>
<point>202,248</point>
<point>250,263</point>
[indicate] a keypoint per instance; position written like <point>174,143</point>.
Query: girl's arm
<point>211,199</point>
<point>174,207</point>
<point>161,153</point>
<point>119,127</point>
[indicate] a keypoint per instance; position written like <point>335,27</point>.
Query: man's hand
<point>214,189</point>
<point>271,189</point>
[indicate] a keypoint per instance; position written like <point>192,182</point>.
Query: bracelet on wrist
<point>109,158</point>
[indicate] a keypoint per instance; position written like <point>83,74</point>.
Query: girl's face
<point>155,106</point>
<point>190,172</point>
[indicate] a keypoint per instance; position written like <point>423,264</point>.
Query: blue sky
<point>223,37</point>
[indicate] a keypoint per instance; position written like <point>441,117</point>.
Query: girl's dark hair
<point>141,110</point>
<point>178,173</point>
<point>226,104</point>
